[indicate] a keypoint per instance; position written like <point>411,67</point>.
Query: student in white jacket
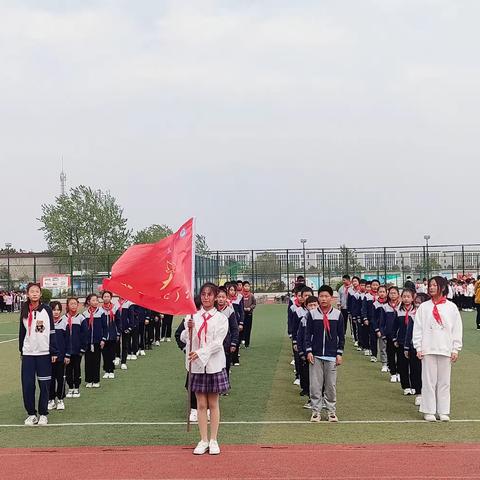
<point>437,337</point>
<point>209,377</point>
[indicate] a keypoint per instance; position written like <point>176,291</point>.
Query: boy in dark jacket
<point>324,342</point>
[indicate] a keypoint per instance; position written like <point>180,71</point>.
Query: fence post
<point>385,263</point>
<point>346,260</point>
<point>463,260</point>
<point>253,272</point>
<point>288,274</point>
<point>34,269</point>
<point>323,267</point>
<point>218,267</point>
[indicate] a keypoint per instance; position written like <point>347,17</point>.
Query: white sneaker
<point>292,362</point>
<point>355,344</point>
<point>124,366</point>
<point>332,417</point>
<point>31,421</point>
<point>407,391</point>
<point>129,357</point>
<point>384,369</point>
<point>308,405</point>
<point>430,418</point>
<point>398,377</point>
<point>107,375</point>
<point>69,393</point>
<point>76,393</point>
<point>393,379</point>
<point>133,357</point>
<point>142,353</point>
<point>316,417</point>
<point>169,339</point>
<point>297,382</point>
<point>95,385</point>
<point>157,343</point>
<point>162,340</point>
<point>359,349</point>
<point>444,418</point>
<point>89,385</point>
<point>60,405</point>
<point>213,448</point>
<point>111,375</point>
<point>193,415</point>
<point>201,448</point>
<point>52,405</point>
<point>236,364</point>
<point>116,362</point>
<point>374,359</point>
<point>43,420</point>
<point>418,401</point>
<point>367,353</point>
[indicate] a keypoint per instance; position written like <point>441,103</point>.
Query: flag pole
<point>189,399</point>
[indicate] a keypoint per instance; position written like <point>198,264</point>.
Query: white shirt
<point>211,355</point>
<point>430,338</point>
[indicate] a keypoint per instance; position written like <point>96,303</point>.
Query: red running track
<point>249,462</point>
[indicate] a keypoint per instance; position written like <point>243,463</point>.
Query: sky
<point>341,121</point>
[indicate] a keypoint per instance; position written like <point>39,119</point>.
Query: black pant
<point>193,397</point>
<point>149,334</point>
<point>73,372</point>
<point>345,319</point>
<point>118,348</point>
<point>403,367</point>
<point>228,360</point>
<point>133,347</point>
<point>373,341</point>
<point>364,336</point>
<point>235,356</point>
<point>57,384</point>
<point>108,354</point>
<point>296,359</point>
<point>141,336</point>
<point>354,328</point>
<point>478,315</point>
<point>92,364</point>
<point>36,367</point>
<point>415,370</point>
<point>247,328</point>
<point>158,329</point>
<point>126,341</point>
<point>167,326</point>
<point>392,356</point>
<point>304,376</point>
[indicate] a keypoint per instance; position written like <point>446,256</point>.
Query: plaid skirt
<point>210,382</point>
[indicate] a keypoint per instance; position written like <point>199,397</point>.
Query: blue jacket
<point>238,307</point>
<point>387,327</point>
<point>124,316</point>
<point>408,345</point>
<point>317,340</point>
<point>400,329</point>
<point>139,315</point>
<point>232,339</point>
<point>110,325</point>
<point>76,337</point>
<point>301,336</point>
<point>368,308</point>
<point>97,330</point>
<point>354,303</point>
<point>298,314</point>
<point>378,315</point>
<point>61,338</point>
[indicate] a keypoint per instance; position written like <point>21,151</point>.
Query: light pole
<point>8,246</point>
<point>427,238</point>
<point>304,241</point>
<point>70,252</point>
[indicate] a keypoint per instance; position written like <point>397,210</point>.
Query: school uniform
<point>96,333</point>
<point>149,329</point>
<point>124,320</point>
<point>237,304</point>
<point>343,297</point>
<point>76,341</point>
<point>167,326</point>
<point>37,345</point>
<point>354,307</point>
<point>57,384</point>
<point>232,339</point>
<point>387,329</point>
<point>249,305</point>
<point>138,333</point>
<point>110,326</point>
<point>414,363</point>
<point>367,332</point>
<point>437,333</point>
<point>208,370</point>
<point>293,324</point>
<point>400,332</point>
<point>325,339</point>
<point>304,373</point>
<point>378,319</point>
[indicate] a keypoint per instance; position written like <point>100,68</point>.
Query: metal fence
<point>269,270</point>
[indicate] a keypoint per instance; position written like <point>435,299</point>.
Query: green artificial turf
<point>152,390</point>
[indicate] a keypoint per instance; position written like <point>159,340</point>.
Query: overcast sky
<point>341,121</point>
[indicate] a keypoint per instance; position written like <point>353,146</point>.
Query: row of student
<point>414,330</point>
<point>52,345</point>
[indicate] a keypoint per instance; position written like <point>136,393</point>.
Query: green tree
<point>90,220</point>
<point>349,259</point>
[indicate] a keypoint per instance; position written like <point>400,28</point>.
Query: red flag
<point>158,276</point>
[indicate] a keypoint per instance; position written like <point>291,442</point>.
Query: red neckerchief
<point>394,306</point>
<point>120,305</point>
<point>374,295</point>
<point>109,308</point>
<point>233,299</point>
<point>326,321</point>
<point>91,311</point>
<point>206,317</point>
<point>224,308</point>
<point>407,311</point>
<point>296,302</point>
<point>30,316</point>
<point>69,321</point>
<point>436,313</point>
<point>381,300</point>
<point>346,288</point>
<point>245,296</point>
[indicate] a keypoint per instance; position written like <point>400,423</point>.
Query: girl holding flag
<point>209,378</point>
<point>97,337</point>
<point>437,338</point>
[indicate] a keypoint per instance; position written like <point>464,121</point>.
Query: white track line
<point>11,340</point>
<point>264,422</point>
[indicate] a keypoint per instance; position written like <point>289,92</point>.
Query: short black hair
<point>311,299</point>
<point>346,277</point>
<point>55,304</point>
<point>326,288</point>
<point>368,282</point>
<point>355,277</point>
<point>239,281</point>
<point>375,280</point>
<point>363,281</point>
<point>306,289</point>
<point>246,282</point>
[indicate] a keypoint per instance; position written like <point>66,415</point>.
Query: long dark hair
<point>442,283</point>
<point>26,306</point>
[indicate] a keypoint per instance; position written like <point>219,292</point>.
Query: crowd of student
<point>417,336</point>
<point>11,301</point>
<point>52,343</point>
